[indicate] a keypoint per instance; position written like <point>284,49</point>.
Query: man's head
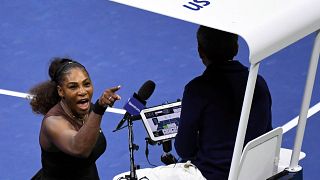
<point>216,45</point>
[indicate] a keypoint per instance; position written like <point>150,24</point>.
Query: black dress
<point>62,166</point>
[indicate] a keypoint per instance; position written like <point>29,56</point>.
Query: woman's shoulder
<point>56,118</point>
<point>56,123</point>
<point>56,110</point>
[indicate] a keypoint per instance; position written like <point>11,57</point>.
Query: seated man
<point>211,106</point>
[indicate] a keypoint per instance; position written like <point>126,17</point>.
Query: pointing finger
<point>116,88</point>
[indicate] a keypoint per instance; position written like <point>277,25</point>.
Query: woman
<point>70,137</point>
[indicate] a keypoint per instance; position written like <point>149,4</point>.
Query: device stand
<point>167,158</point>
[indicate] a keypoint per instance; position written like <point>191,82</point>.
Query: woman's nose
<point>82,91</point>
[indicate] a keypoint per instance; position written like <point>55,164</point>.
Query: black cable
<point>120,128</point>
<point>147,153</point>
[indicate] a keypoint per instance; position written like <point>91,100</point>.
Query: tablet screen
<point>162,122</point>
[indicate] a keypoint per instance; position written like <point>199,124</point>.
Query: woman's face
<point>76,91</point>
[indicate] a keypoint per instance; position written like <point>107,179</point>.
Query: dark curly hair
<point>45,94</point>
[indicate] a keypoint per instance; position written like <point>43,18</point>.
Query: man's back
<point>211,109</point>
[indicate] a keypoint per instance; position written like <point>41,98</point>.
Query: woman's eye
<point>72,87</point>
<point>87,84</point>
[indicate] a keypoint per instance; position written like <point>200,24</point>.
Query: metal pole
<point>242,128</point>
<point>305,104</point>
<point>133,175</point>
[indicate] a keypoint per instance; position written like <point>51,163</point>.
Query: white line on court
<point>29,96</point>
<point>15,94</point>
<point>289,125</point>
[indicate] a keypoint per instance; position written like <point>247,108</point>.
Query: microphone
<point>137,102</point>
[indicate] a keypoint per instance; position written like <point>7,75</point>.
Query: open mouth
<point>83,104</point>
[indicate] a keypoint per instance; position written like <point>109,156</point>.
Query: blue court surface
<point>124,46</point>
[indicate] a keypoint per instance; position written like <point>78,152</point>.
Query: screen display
<point>164,122</point>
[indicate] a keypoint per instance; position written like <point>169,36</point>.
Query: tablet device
<point>162,122</point>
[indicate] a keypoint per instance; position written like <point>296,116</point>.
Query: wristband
<point>98,109</point>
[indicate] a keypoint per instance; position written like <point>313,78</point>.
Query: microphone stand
<point>132,147</point>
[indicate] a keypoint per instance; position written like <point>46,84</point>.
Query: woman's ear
<point>60,91</point>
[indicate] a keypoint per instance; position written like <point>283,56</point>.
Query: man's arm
<point>186,141</point>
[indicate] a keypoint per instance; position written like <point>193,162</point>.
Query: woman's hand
<point>109,96</point>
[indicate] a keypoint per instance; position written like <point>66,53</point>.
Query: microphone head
<point>146,90</point>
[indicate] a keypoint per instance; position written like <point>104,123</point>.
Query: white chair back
<point>260,156</point>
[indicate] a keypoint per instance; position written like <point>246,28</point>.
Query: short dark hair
<point>217,44</point>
